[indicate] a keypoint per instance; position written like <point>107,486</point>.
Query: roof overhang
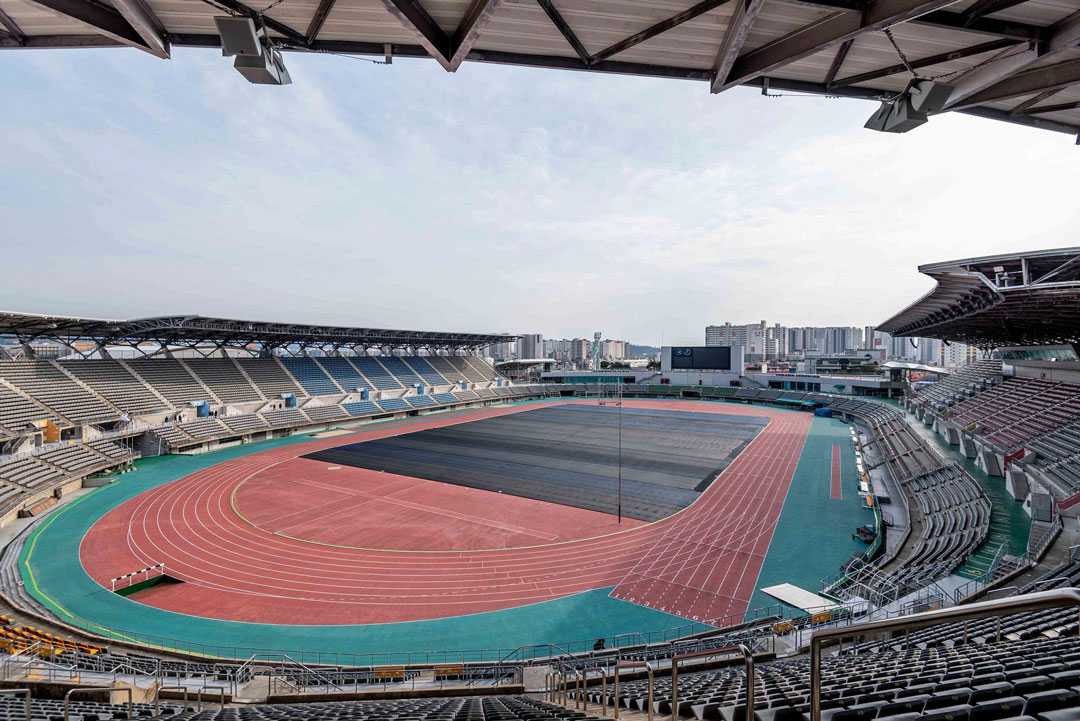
<point>195,330</point>
<point>1011,60</point>
<point>1016,299</point>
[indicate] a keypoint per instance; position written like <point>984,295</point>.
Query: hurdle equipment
<point>159,568</point>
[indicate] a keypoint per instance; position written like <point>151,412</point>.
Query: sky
<point>494,199</point>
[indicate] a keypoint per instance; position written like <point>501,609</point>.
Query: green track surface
<point>812,539</point>
<point>814,536</point>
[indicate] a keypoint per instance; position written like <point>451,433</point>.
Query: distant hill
<point>640,351</point>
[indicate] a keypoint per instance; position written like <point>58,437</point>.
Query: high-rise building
<point>531,345</point>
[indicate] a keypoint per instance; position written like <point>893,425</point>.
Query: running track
<point>701,563</point>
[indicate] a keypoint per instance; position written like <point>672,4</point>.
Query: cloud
<point>493,199</point>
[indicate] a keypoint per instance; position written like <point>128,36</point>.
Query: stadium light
<point>911,108</point>
<point>256,59</point>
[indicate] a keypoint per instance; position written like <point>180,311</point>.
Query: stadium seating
<point>284,418</point>
<point>962,683</point>
<point>50,386</point>
<point>375,372</point>
<point>171,379</point>
<point>1017,410</point>
<point>344,372</point>
<point>269,377</point>
<point>476,708</point>
<point>247,423</point>
<point>393,404</point>
<point>174,437</point>
<point>474,369</point>
<point>204,429</point>
<point>466,396</point>
<point>112,380</point>
<point>445,398</point>
<point>17,412</point>
<point>361,408</point>
<point>74,458</point>
<point>30,473</point>
<point>325,414</point>
<point>421,401</point>
<point>404,374</point>
<point>446,368</point>
<point>223,377</point>
<point>311,376</point>
<point>962,384</point>
<point>425,370</point>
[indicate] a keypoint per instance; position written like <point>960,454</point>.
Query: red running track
<point>701,563</point>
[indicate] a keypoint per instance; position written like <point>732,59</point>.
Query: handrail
<point>92,689</point>
<point>19,692</point>
<point>630,664</point>
<point>748,657</point>
<point>1039,601</point>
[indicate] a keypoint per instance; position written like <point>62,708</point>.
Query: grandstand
<point>924,637</point>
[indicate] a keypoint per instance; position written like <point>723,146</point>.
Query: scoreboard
<point>710,358</point>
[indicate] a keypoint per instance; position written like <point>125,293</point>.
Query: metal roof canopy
<point>1020,299</point>
<point>1016,61</point>
<point>194,330</point>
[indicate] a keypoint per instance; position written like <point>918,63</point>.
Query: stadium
<point>224,519</point>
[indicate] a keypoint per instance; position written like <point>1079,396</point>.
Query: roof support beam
<point>943,19</point>
<point>1060,37</point>
<point>1035,100</point>
<point>12,27</point>
<point>1060,107</point>
<point>1050,77</point>
<point>104,20</point>
<point>476,17</point>
<point>146,23</point>
<point>830,30</point>
<point>926,62</point>
<point>661,27</point>
<point>318,19</point>
<point>567,32</point>
<point>837,62</point>
<point>746,11</point>
<point>989,7</point>
<point>431,37</point>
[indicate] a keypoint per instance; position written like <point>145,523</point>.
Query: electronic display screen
<point>713,358</point>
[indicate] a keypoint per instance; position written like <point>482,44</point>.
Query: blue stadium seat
<point>429,374</point>
<point>361,408</point>
<point>420,401</point>
<point>343,372</point>
<point>310,375</point>
<point>375,373</point>
<point>393,404</point>
<point>403,373</point>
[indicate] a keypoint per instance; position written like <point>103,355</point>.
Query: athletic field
<point>460,531</point>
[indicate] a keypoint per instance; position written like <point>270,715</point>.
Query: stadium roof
<point>1018,299</point>
<point>194,330</point>
<point>1010,60</point>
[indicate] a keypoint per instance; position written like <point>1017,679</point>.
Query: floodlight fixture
<point>929,96</point>
<point>239,36</point>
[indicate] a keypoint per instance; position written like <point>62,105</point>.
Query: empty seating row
<point>74,458</point>
<point>17,412</point>
<point>344,372</point>
<point>171,379</point>
<point>30,473</point>
<point>223,377</point>
<point>962,384</point>
<point>269,377</point>
<point>50,386</point>
<point>311,376</point>
<point>111,380</point>
<point>1017,410</point>
<point>322,414</point>
<point>247,423</point>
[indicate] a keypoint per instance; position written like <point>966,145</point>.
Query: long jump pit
<point>670,504</point>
